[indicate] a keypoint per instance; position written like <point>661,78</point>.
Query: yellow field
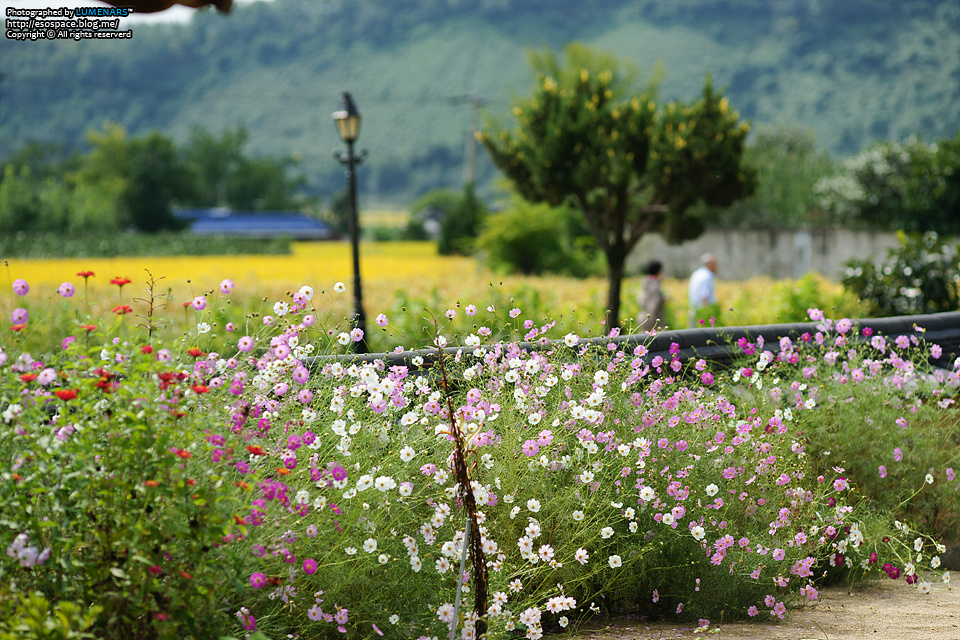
<point>398,277</point>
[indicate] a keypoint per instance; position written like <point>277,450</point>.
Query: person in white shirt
<point>702,291</point>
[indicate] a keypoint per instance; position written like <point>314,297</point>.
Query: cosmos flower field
<point>249,477</point>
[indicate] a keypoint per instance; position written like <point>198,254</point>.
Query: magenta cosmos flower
<point>19,316</point>
<point>21,287</point>
<point>226,286</point>
<point>66,290</point>
<point>199,303</point>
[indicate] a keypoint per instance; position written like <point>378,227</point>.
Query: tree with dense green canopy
<point>630,166</point>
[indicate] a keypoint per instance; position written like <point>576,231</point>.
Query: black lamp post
<point>348,125</point>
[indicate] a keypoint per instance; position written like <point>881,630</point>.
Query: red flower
<point>155,569</point>
<point>160,616</point>
<point>120,281</point>
<point>256,450</point>
<point>17,327</point>
<point>152,483</point>
<point>65,394</point>
<point>283,471</point>
<point>89,327</point>
<point>183,453</point>
<point>239,520</point>
<point>200,388</point>
<point>186,575</point>
<point>122,309</point>
<point>195,352</point>
<point>187,303</point>
<point>28,377</point>
<point>191,481</point>
<point>146,349</point>
<point>85,274</point>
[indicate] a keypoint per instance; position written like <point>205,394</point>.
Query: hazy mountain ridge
<point>855,72</point>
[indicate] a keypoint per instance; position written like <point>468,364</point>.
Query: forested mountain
<point>854,72</point>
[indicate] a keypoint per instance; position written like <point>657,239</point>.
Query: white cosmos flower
<point>571,339</point>
<point>280,308</point>
<point>647,494</point>
<point>578,516</point>
<point>533,505</point>
<point>407,454</point>
<point>667,519</point>
<point>343,338</point>
<point>606,532</point>
<point>306,292</point>
<point>586,477</point>
<point>370,545</point>
<point>385,483</point>
<point>203,327</point>
<point>364,482</point>
<point>615,561</point>
<point>339,287</point>
<point>581,555</point>
<point>712,490</point>
<point>350,551</point>
<point>698,532</point>
<point>394,619</point>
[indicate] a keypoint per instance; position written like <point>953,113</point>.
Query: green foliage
<point>788,165</point>
<point>628,166</point>
<point>222,175</point>
<point>794,61</point>
<point>112,502</point>
<point>534,239</point>
<point>910,186</point>
<point>919,276</point>
<point>112,244</point>
<point>461,224</point>
<point>30,616</point>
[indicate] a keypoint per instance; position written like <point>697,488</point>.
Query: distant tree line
<point>124,182</point>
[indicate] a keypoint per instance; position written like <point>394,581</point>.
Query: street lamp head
<point>347,118</point>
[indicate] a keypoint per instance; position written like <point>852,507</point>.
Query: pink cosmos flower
<point>226,286</point>
<point>897,454</point>
<point>257,580</point>
<point>245,344</point>
<point>19,316</point>
<point>382,320</point>
<point>470,310</point>
<point>883,471</point>
<point>514,312</point>
<point>199,303</point>
<point>310,566</point>
<point>66,290</point>
<point>356,334</point>
<point>21,287</point>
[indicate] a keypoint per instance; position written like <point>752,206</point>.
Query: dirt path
<point>884,610</point>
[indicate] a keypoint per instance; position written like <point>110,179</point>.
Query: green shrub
<point>535,239</point>
<point>919,276</point>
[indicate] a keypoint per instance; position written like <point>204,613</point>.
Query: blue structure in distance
<point>255,224</point>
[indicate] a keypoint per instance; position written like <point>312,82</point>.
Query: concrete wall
<point>778,253</point>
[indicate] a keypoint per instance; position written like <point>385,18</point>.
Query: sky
<point>174,14</point>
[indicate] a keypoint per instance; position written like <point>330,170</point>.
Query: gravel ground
<point>883,610</point>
